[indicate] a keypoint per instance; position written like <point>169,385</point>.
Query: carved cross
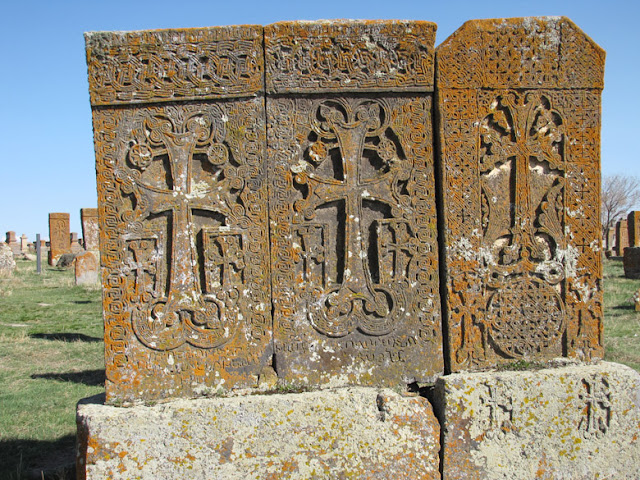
<point>519,129</point>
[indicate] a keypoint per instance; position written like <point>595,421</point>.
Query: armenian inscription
<point>354,255</point>
<point>520,166</point>
<point>183,211</point>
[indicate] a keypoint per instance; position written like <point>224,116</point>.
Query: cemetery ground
<point>51,355</point>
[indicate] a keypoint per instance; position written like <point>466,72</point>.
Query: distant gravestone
<point>631,262</point>
<point>90,232</point>
<point>59,239</point>
<point>86,268</point>
<point>519,109</point>
<point>633,227</point>
<point>609,240</point>
<point>353,215</point>
<point>7,263</point>
<point>622,237</point>
<point>24,243</point>
<point>75,244</point>
<point>182,184</point>
<point>13,243</point>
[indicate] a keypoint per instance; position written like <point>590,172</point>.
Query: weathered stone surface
<point>631,262</point>
<point>359,433</point>
<point>7,263</point>
<point>90,231</point>
<point>182,201</point>
<point>633,227</point>
<point>59,236</point>
<point>576,422</point>
<point>519,109</point>
<point>622,237</point>
<point>87,268</point>
<point>353,215</point>
<point>636,300</point>
<point>610,236</point>
<point>66,260</point>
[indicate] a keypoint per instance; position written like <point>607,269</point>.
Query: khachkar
<point>179,137</point>
<point>59,236</point>
<point>519,126</point>
<point>352,211</point>
<point>89,219</point>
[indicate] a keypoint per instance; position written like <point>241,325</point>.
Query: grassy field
<point>51,356</point>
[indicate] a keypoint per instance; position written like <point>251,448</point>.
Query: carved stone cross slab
<point>183,206</point>
<point>519,103</point>
<point>353,220</point>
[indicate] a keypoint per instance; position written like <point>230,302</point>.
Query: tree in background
<point>620,193</point>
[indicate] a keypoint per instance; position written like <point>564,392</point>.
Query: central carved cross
<point>184,315</point>
<point>356,302</point>
<point>522,128</point>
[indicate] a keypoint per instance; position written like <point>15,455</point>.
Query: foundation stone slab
<point>359,433</point>
<point>572,422</point>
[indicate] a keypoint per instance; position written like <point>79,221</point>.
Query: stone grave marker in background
<point>353,215</point>
<point>13,243</point>
<point>86,268</point>
<point>631,262</point>
<point>59,236</point>
<point>24,243</point>
<point>90,231</point>
<point>75,244</point>
<point>610,237</point>
<point>519,108</point>
<point>622,237</point>
<point>633,226</point>
<point>182,200</point>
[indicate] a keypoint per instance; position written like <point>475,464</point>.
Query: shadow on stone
<point>33,459</point>
<point>90,378</point>
<point>66,337</point>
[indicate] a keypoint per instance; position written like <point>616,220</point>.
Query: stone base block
<point>574,422</point>
<point>362,433</point>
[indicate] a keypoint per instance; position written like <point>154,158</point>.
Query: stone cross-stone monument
<point>182,194</point>
<point>622,237</point>
<point>353,214</point>
<point>90,232</point>
<point>519,117</point>
<point>275,211</point>
<point>59,236</point>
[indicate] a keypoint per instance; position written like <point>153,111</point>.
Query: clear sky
<point>46,139</point>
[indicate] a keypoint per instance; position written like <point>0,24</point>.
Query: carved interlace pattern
<point>174,65</point>
<point>362,56</point>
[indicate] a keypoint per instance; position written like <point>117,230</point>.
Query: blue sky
<point>46,139</point>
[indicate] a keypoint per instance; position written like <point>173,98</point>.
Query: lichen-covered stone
<point>574,422</point>
<point>59,236</point>
<point>352,211</point>
<point>360,433</point>
<point>622,237</point>
<point>90,230</point>
<point>519,109</point>
<point>182,201</point>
